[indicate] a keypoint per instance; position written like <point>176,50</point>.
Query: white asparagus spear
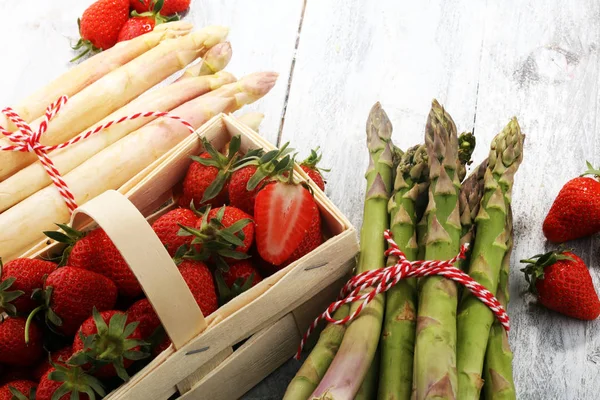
<point>22,225</point>
<point>116,89</point>
<point>250,119</point>
<point>80,76</point>
<point>34,177</point>
<point>215,59</point>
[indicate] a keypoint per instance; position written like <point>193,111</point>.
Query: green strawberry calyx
<point>313,160</point>
<point>84,44</point>
<point>43,296</point>
<point>227,293</point>
<point>216,241</point>
<point>534,270</point>
<point>110,345</point>
<point>225,165</point>
<point>591,170</point>
<point>271,164</point>
<point>157,6</point>
<point>6,296</point>
<point>68,236</point>
<point>74,381</point>
<point>18,395</point>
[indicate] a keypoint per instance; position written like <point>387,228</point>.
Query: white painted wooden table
<point>484,60</point>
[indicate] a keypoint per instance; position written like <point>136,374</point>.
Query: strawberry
<point>312,239</point>
<point>107,342</point>
<point>310,167</point>
<point>222,234</point>
<point>13,347</point>
<point>22,276</point>
<point>240,277</point>
<point>135,27</point>
<point>143,312</point>
<point>96,252</point>
<point>207,177</point>
<point>167,227</point>
<point>240,272</point>
<point>283,215</point>
<point>100,25</point>
<point>563,283</point>
<point>20,390</point>
<point>170,7</point>
<point>56,357</point>
<point>575,212</point>
<point>72,381</point>
<point>70,294</point>
<point>199,279</point>
<point>253,173</point>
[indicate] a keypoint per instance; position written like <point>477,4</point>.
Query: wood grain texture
<point>541,64</point>
<point>38,34</point>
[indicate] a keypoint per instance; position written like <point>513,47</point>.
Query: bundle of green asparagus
<point>425,338</point>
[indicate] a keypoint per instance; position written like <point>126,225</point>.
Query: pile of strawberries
<point>560,279</point>
<point>107,22</point>
<point>81,324</point>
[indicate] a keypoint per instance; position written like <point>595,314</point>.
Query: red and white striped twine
<point>383,279</point>
<point>27,141</point>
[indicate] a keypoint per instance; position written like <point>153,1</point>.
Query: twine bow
<point>27,141</point>
<point>383,279</point>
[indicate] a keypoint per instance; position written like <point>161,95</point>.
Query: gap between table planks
<point>486,62</point>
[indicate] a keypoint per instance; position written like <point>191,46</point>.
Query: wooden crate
<point>271,316</point>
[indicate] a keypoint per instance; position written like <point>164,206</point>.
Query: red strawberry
<point>135,27</point>
<point>283,214</point>
<point>575,212</point>
<point>21,389</point>
<point>70,294</point>
<point>143,312</point>
<point>241,270</point>
<point>58,357</point>
<point>312,239</point>
<point>113,345</point>
<point>253,173</point>
<point>101,23</point>
<point>240,277</point>
<point>71,379</point>
<point>167,227</point>
<point>175,6</point>
<point>199,279</point>
<point>208,176</point>
<point>170,7</point>
<point>13,349</point>
<point>103,257</point>
<point>20,277</point>
<point>221,234</point>
<point>310,167</point>
<point>563,283</point>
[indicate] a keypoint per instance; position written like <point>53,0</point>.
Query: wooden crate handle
<point>150,262</point>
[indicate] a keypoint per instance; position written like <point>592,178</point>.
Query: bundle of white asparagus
<point>117,83</point>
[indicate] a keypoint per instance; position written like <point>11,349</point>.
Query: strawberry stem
<point>29,319</point>
<point>591,170</point>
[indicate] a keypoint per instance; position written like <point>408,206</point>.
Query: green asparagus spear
<point>474,317</point>
<point>435,348</point>
<point>469,200</point>
<point>309,375</point>
<point>398,336</point>
<point>466,146</point>
<point>497,369</point>
<point>357,351</point>
<point>368,388</point>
